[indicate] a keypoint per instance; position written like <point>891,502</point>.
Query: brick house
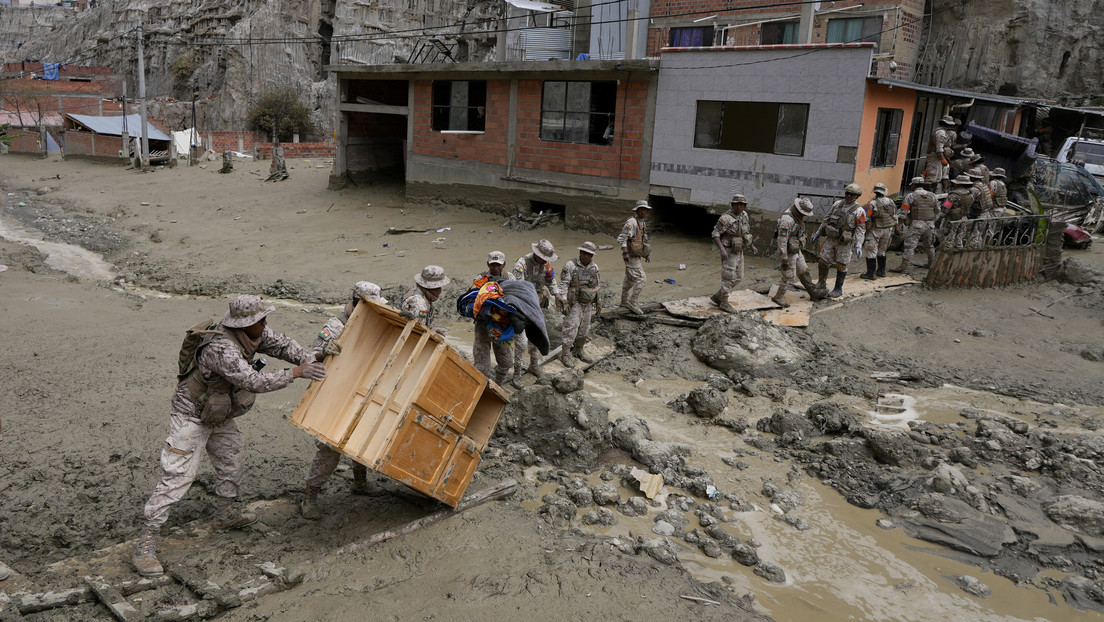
<point>503,136</point>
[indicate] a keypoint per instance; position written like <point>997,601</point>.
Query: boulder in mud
<point>660,550</point>
<point>746,344</point>
<point>1075,272</point>
<point>558,511</point>
<point>894,447</point>
<point>568,381</point>
<point>632,435</point>
<point>770,572</point>
<point>569,430</point>
<point>606,494</point>
<point>707,401</point>
<point>599,516</point>
<point>833,418</point>
<point>793,429</point>
<point>745,555</point>
<point>1077,513</point>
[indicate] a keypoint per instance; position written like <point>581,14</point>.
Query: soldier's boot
<point>837,291</point>
<point>815,291</point>
<point>716,298</point>
<point>534,365</point>
<point>310,508</point>
<point>822,275</point>
<point>518,373</point>
<point>721,298</point>
<point>931,259</point>
<point>229,516</point>
<point>903,267</point>
<point>779,297</point>
<point>881,265</point>
<point>359,485</point>
<point>501,375</point>
<point>580,352</point>
<point>144,558</point>
<point>565,355</point>
<point>871,266</point>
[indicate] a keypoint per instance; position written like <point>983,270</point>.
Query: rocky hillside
<point>1027,48</point>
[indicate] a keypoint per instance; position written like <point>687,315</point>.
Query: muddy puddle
<point>844,567</point>
<point>68,258</point>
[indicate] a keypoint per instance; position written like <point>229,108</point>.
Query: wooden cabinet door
<point>419,451</point>
<point>458,473</point>
<point>451,390</point>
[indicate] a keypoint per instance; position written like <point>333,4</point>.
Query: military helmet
<point>853,188</point>
<point>880,188</point>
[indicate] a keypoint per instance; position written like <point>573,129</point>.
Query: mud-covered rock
<point>1075,272</point>
<point>675,518</point>
<point>568,381</point>
<point>663,528</point>
<point>1077,513</point>
<point>569,430</point>
<point>833,418</point>
<point>599,516</point>
<point>633,506</point>
<point>792,429</point>
<point>745,555</point>
<point>558,511</point>
<point>1083,593</point>
<point>707,401</point>
<point>971,585</point>
<point>746,344</point>
<point>770,572</point>
<point>894,447</point>
<point>581,496</point>
<point>710,547</point>
<point>605,494</point>
<point>627,432</point>
<point>660,550</point>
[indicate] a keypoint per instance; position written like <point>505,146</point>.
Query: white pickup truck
<point>1086,152</point>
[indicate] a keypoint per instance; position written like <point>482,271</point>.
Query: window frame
<point>790,27</point>
<point>583,118</point>
<point>883,152</point>
<point>736,137</point>
<point>475,103</point>
<point>864,22</point>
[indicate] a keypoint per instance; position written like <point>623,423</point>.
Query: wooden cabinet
<point>402,402</point>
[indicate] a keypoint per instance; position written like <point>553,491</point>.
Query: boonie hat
<point>852,188</point>
<point>968,153</point>
<point>246,310</point>
<point>432,277</point>
<point>997,172</point>
<point>947,120</point>
<point>367,289</point>
<point>545,251</point>
<point>804,206</point>
<point>962,180</point>
<point>917,181</point>
<point>588,247</point>
<point>497,257</point>
<point>974,172</point>
<point>880,188</point>
<point>739,198</point>
<point>641,203</point>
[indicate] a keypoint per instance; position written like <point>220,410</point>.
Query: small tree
<point>280,114</point>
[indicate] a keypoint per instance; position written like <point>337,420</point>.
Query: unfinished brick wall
<point>25,141</point>
<point>619,160</point>
<point>248,141</point>
<point>78,143</point>
<point>902,24</point>
<point>489,147</point>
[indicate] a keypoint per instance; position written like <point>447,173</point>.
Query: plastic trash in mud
<point>444,229</point>
<point>682,266</point>
<point>669,281</point>
<point>438,240</point>
<point>712,492</point>
<point>385,245</point>
<point>605,247</point>
<point>650,483</point>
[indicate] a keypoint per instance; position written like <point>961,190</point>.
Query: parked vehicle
<point>1085,152</point>
<point>1066,193</point>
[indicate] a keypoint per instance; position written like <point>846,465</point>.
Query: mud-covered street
<point>790,490</point>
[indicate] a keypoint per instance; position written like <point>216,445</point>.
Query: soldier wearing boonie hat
<point>535,267</point>
<point>418,300</point>
<point>939,150</point>
<point>731,234</point>
<point>483,345</point>
<point>635,251</point>
<point>326,458</point>
<point>956,206</point>
<point>218,387</point>
<point>791,241</point>
<point>881,218</point>
<point>844,228</point>
<point>919,211</point>
<point>582,299</point>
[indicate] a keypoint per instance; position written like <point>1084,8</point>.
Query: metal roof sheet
<point>938,90</point>
<point>531,5</point>
<point>113,126</point>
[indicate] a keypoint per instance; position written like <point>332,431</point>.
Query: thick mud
<point>795,484</point>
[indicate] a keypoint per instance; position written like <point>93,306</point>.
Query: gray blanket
<point>522,296</point>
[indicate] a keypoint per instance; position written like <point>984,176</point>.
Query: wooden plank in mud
<point>597,348</point>
<point>113,600</point>
<point>701,307</point>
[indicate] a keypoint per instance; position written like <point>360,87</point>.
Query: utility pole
<point>126,130</point>
<point>142,97</point>
<point>192,134</point>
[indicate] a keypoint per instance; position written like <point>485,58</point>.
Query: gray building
<point>771,122</point>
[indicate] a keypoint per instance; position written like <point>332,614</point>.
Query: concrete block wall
<point>489,147</point>
<point>620,160</point>
<point>831,80</point>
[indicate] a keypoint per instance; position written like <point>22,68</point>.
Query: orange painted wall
<point>881,96</point>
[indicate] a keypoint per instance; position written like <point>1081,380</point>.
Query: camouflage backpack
<point>199,335</point>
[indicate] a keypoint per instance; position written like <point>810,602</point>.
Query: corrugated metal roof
<point>113,126</point>
<point>938,90</point>
<point>530,5</point>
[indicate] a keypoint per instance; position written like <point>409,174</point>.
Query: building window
<point>887,136</point>
<point>578,112</point>
<point>694,37</point>
<point>459,105</point>
<point>855,30</point>
<point>760,127</point>
<point>778,33</point>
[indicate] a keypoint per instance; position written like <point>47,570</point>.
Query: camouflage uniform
<point>188,436</point>
<point>540,273</point>
<point>837,249</point>
<point>734,233</point>
<point>981,209</point>
<point>955,208</point>
<point>881,216</point>
<point>999,192</point>
<point>415,303</point>
<point>483,345</point>
<point>938,145</point>
<point>637,230</point>
<point>582,286</point>
<point>920,208</point>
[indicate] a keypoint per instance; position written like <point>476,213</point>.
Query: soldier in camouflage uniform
<point>939,150</point>
<point>582,298</point>
<point>791,241</point>
<point>483,345</point>
<point>982,207</point>
<point>956,206</point>
<point>418,300</point>
<point>881,218</point>
<point>731,234</point>
<point>843,228</point>
<point>920,211</point>
<point>220,387</point>
<point>635,251</point>
<point>999,192</point>
<point>535,267</point>
<point>326,457</point>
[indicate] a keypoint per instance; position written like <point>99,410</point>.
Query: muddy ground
<point>1007,483</point>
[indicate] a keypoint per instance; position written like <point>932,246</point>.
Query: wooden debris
<point>113,600</point>
<point>400,230</point>
<point>30,603</point>
<point>702,308</point>
<point>705,601</point>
